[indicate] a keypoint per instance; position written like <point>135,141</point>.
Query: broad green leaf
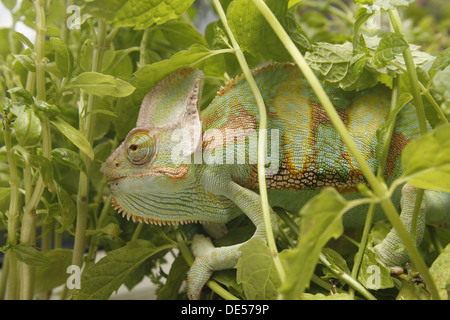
<point>252,31</point>
<point>421,58</point>
<point>426,160</point>
<point>177,275</point>
<point>100,84</point>
<point>74,136</point>
<point>45,169</point>
<point>28,128</point>
<point>69,158</point>
<point>63,56</point>
<point>139,14</point>
<point>30,255</point>
<point>182,34</point>
<point>332,60</point>
<point>54,273</point>
<point>440,271</point>
<point>390,45</point>
<point>108,274</point>
<point>256,271</point>
<point>321,221</point>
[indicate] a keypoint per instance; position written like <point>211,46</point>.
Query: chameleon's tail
<point>434,210</point>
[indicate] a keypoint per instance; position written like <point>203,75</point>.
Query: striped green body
<point>311,153</point>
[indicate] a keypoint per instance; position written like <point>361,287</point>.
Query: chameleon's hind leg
<point>434,209</point>
<point>207,257</point>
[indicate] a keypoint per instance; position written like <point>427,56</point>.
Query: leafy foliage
<point>64,114</point>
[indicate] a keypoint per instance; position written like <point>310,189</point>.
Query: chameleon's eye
<point>140,148</point>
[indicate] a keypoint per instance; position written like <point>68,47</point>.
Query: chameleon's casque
<point>181,165</point>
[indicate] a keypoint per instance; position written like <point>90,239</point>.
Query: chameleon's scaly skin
<point>179,165</point>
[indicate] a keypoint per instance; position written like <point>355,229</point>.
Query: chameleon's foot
<point>201,270</point>
<point>207,260</point>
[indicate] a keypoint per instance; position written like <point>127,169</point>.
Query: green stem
<point>433,102</point>
<point>87,122</point>
<point>261,141</point>
<point>13,213</point>
<point>379,188</point>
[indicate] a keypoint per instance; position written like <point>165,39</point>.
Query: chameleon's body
<point>216,182</point>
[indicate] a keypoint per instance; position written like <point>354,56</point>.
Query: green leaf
<point>252,31</point>
<point>69,158</point>
<point>182,34</point>
<point>50,110</point>
<point>22,95</point>
<point>177,275</point>
<point>391,4</point>
<point>108,274</point>
<point>27,62</point>
<point>100,84</point>
<point>321,220</point>
<point>23,39</point>
<point>45,169</point>
<point>139,14</point>
<point>390,45</point>
<point>74,136</point>
<point>53,274</point>
<point>5,196</point>
<point>442,61</point>
<point>69,209</point>
<point>30,255</point>
<point>332,60</point>
<point>63,56</point>
<point>440,271</point>
<point>28,128</point>
<point>256,271</point>
<point>426,160</point>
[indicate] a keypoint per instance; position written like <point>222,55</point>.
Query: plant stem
<point>87,122</point>
<point>379,189</point>
<point>13,213</point>
<point>261,141</point>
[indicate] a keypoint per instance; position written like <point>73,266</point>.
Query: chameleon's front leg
<point>208,258</point>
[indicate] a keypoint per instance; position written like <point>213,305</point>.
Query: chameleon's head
<point>147,172</point>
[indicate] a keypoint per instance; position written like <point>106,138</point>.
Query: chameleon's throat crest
<point>140,219</point>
